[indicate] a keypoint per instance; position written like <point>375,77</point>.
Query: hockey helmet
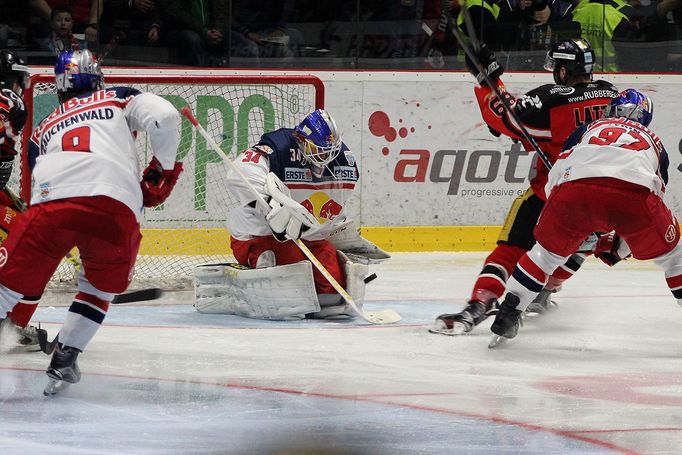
<point>576,55</point>
<point>318,138</point>
<point>78,71</point>
<point>12,69</point>
<point>632,105</point>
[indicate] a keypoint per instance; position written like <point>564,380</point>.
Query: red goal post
<point>189,228</point>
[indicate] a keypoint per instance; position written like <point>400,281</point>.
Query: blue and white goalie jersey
<point>325,195</point>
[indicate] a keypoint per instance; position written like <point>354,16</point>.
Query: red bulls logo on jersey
<point>330,209</point>
<point>322,207</point>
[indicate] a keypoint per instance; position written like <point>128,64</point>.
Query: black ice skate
<point>464,322</point>
<point>542,303</point>
<point>63,369</point>
<point>507,321</point>
<point>21,339</point>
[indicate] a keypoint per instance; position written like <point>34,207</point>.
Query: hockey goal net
<point>189,228</point>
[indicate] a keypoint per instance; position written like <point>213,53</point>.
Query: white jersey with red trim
<point>615,147</point>
<point>86,147</point>
<point>325,195</point>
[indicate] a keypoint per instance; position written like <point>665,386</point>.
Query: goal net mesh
<point>189,228</point>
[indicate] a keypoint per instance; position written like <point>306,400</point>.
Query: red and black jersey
<point>549,113</point>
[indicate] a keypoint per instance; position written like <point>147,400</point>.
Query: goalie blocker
<point>284,292</point>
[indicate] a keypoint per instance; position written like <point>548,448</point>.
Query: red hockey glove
<point>607,247</point>
<point>157,183</point>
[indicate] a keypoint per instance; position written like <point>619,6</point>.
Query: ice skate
<point>21,339</point>
<point>464,322</point>
<point>507,321</point>
<point>542,303</point>
<point>63,370</point>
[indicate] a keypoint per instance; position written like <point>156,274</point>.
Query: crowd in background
<point>628,35</point>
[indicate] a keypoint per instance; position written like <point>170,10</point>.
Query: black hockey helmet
<point>576,55</point>
<point>12,69</point>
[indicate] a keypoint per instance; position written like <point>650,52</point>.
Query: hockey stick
<point>134,296</point>
<point>496,91</point>
<point>138,296</point>
<point>115,40</point>
<point>375,317</point>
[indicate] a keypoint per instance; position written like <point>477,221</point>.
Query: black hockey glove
<point>17,111</point>
<point>489,65</point>
<point>6,164</point>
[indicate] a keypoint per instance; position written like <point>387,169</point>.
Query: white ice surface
<point>600,374</point>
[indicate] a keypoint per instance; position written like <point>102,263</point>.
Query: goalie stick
<point>375,317</point>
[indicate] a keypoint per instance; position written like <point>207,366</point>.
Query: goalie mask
<point>632,105</point>
<point>318,138</point>
<point>77,71</point>
<point>576,55</point>
<point>12,69</point>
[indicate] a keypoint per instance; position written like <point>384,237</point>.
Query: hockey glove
<point>6,164</point>
<point>17,112</point>
<point>287,218</point>
<point>611,249</point>
<point>489,65</point>
<point>157,182</point>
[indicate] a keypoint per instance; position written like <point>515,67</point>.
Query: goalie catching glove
<point>287,218</point>
<point>157,182</point>
<point>489,66</point>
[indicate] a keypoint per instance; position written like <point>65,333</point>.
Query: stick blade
<point>138,296</point>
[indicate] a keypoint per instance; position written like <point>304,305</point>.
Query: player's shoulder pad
<point>535,99</point>
<point>604,85</point>
<point>263,149</point>
<point>278,141</point>
<point>346,156</point>
<point>575,137</point>
<point>124,92</point>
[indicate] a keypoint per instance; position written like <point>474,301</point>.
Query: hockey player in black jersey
<point>549,113</point>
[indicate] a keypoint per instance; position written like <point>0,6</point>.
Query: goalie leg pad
<point>285,292</point>
<point>355,278</point>
<point>333,306</point>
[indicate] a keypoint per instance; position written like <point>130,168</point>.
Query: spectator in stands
<point>673,14</point>
<point>62,37</point>
<point>85,13</point>
<point>261,29</point>
<point>200,28</point>
<point>601,23</point>
<point>138,20</point>
<point>12,24</point>
<point>656,22</point>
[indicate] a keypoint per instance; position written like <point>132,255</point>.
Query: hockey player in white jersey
<point>88,193</point>
<point>612,173</point>
<point>307,175</point>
